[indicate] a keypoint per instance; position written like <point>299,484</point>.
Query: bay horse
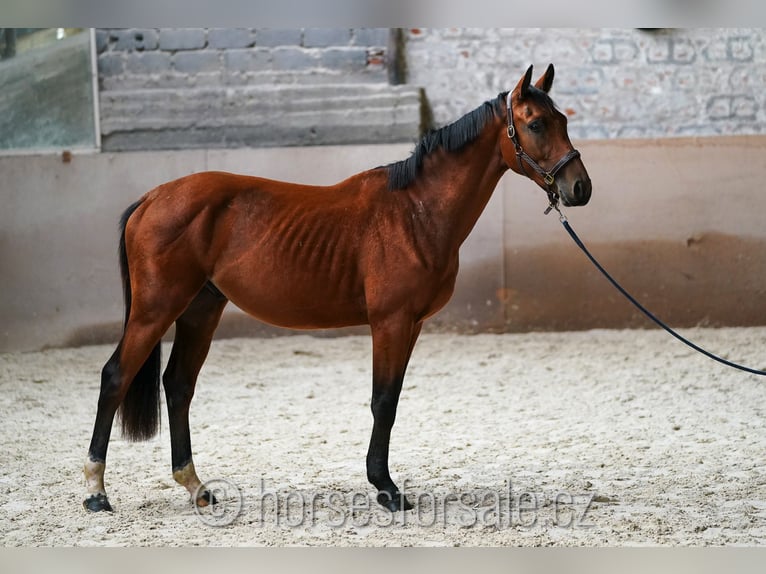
<point>378,249</point>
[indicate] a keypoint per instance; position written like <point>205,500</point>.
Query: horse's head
<point>538,146</point>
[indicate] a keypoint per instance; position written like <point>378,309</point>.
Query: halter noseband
<point>549,177</point>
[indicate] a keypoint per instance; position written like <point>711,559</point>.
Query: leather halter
<point>549,177</point>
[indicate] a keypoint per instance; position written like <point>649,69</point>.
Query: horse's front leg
<point>392,342</point>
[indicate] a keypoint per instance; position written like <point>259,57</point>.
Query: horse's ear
<point>546,80</point>
<point>523,86</point>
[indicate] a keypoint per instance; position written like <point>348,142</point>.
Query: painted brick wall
<point>612,82</point>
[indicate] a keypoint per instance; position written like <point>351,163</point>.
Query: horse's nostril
<point>581,191</point>
<point>578,190</point>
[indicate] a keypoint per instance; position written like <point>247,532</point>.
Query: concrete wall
<point>679,221</point>
<point>181,88</point>
<point>184,58</point>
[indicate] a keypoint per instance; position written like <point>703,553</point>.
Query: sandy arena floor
<point>592,438</point>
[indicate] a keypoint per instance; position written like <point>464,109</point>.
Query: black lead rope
<point>643,309</point>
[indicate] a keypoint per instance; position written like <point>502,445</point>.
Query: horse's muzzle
<point>577,194</point>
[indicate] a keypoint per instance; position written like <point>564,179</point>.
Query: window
<point>47,95</point>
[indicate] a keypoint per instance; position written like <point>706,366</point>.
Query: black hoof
<point>97,503</point>
<point>394,502</point>
<point>206,498</point>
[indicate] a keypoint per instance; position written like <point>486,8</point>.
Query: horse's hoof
<point>394,503</point>
<point>97,503</point>
<point>205,498</point>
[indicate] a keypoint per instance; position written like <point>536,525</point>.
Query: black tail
<point>140,410</point>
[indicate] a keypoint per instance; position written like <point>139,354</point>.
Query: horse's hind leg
<point>130,379</point>
<point>194,332</point>
<point>108,401</point>
<point>136,357</point>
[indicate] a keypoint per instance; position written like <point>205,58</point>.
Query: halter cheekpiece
<point>549,177</point>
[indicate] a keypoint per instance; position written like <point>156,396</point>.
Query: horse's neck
<point>455,187</point>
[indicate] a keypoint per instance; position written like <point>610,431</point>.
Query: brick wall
<point>612,82</point>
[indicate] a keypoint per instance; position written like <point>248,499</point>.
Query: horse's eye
<point>535,126</point>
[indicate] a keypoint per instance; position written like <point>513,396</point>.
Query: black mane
<point>450,138</point>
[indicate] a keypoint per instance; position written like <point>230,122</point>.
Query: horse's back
<point>212,186</point>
